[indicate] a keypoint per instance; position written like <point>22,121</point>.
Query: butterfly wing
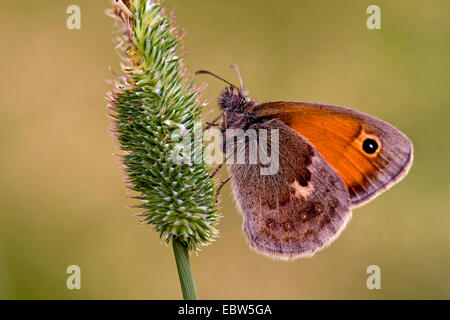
<point>299,209</point>
<point>369,154</point>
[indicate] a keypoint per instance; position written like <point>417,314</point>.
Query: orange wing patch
<point>340,143</point>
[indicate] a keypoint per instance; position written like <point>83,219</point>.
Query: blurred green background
<point>62,195</point>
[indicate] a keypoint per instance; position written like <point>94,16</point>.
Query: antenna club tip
<point>216,76</point>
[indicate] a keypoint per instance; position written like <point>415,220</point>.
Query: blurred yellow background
<point>62,195</point>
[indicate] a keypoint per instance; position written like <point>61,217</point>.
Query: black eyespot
<point>370,146</point>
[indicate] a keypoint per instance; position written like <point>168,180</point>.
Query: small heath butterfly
<point>330,160</point>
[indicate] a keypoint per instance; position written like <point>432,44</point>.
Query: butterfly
<point>330,160</point>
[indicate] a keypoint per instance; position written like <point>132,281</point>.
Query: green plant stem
<point>184,271</point>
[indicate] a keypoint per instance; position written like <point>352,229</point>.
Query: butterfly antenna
<point>235,67</point>
<point>215,76</point>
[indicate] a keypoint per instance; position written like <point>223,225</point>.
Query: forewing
<point>338,134</point>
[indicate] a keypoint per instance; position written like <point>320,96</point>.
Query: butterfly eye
<point>370,146</point>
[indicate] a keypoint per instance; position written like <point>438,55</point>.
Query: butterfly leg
<point>213,123</point>
<point>222,184</point>
<point>219,166</point>
<point>225,120</point>
<point>217,169</point>
<point>210,124</point>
